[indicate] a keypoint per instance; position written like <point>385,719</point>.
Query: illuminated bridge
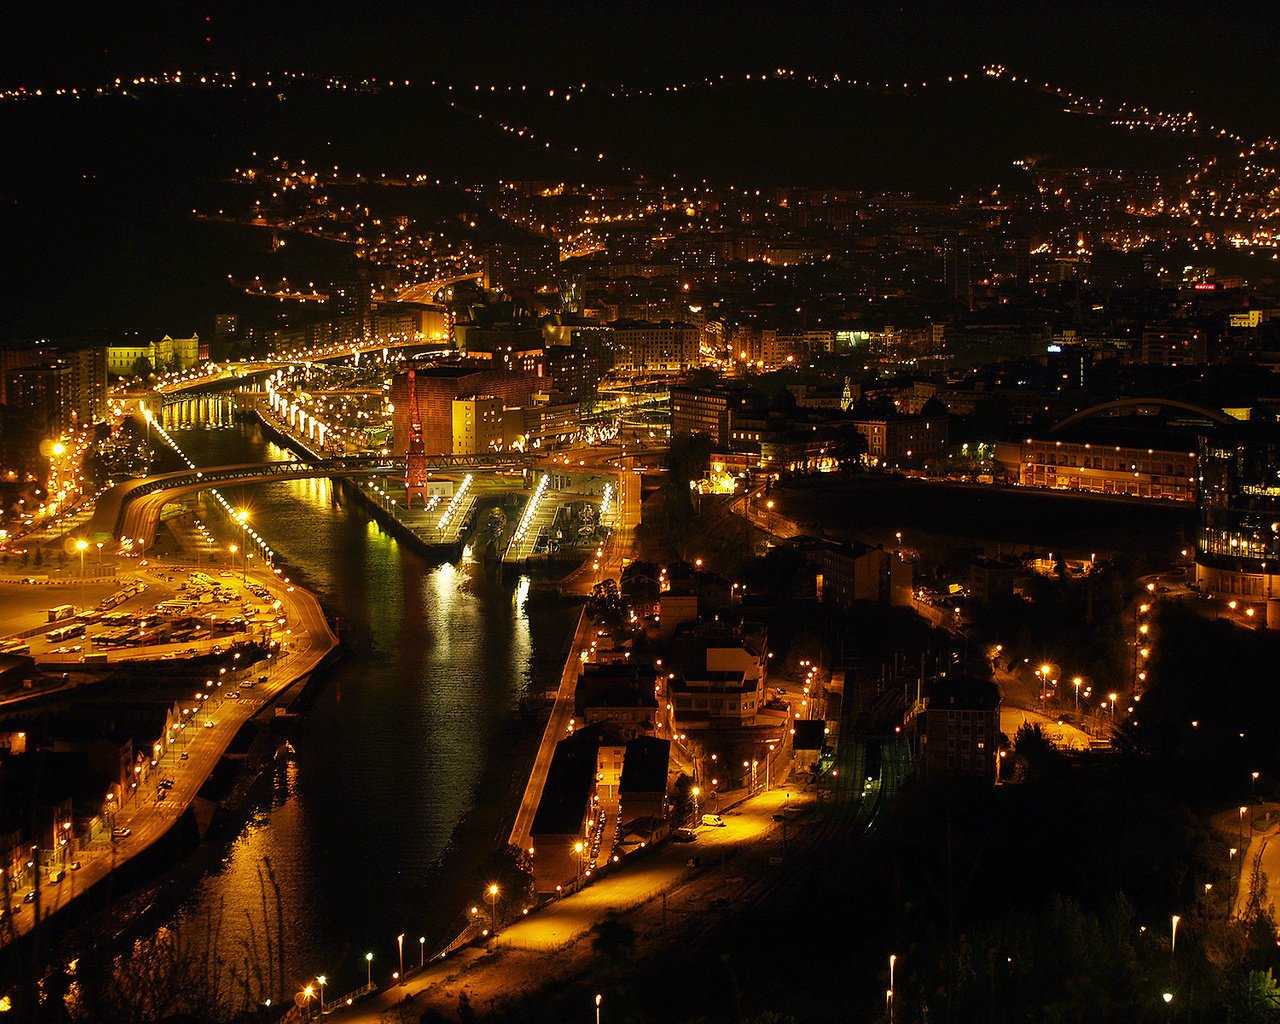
<point>132,509</point>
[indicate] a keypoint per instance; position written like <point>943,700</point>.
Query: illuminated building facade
<point>1238,546</point>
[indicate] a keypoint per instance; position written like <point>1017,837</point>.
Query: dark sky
<point>1213,57</point>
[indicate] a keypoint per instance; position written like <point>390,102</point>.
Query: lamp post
<point>322,981</point>
<point>493,908</point>
<point>1076,683</point>
<point>893,959</point>
<point>368,959</point>
<point>598,1001</point>
<point>400,945</point>
<point>1173,935</point>
<point>422,950</point>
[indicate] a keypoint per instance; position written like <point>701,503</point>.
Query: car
<point>224,574</point>
<point>121,833</point>
<point>208,725</point>
<point>75,865</point>
<point>29,897</point>
<point>233,694</point>
<point>713,820</point>
<point>684,835</point>
<point>56,876</point>
<point>184,756</point>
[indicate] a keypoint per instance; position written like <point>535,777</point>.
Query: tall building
<point>45,393</point>
<point>1238,546</point>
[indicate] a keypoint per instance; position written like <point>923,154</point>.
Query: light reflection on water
<point>407,768</point>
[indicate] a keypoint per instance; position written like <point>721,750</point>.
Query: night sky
<point>1214,58</point>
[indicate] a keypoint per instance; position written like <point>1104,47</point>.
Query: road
<point>542,945</point>
<point>308,641</point>
<point>556,730</point>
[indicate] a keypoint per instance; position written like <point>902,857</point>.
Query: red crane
<point>415,464</point>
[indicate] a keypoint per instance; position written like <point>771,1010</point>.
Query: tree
<point>613,940</point>
<point>141,367</point>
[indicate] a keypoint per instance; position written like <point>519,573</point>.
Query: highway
<point>308,641</point>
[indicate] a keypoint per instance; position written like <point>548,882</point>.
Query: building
<point>642,790</point>
<point>718,677</point>
<point>1238,544</point>
<point>439,385</point>
<point>958,728</point>
<point>622,694</point>
<point>991,579</point>
<point>850,572</point>
<point>1076,465</point>
<point>1166,346</point>
<point>897,438</point>
<point>477,425</point>
<point>666,347</point>
<point>59,393</point>
<point>566,810</point>
<point>161,356</point>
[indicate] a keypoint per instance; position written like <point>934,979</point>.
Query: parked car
<point>713,820</point>
<point>684,835</point>
<point>121,833</point>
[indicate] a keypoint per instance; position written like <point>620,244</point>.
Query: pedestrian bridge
<point>132,509</point>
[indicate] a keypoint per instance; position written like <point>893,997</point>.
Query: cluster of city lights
<point>531,509</point>
<point>451,510</point>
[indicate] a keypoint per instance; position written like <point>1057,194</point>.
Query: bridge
<point>132,509</point>
<point>1138,405</point>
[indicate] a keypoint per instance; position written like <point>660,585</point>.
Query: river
<point>409,766</point>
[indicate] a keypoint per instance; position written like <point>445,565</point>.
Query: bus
<point>62,611</point>
<point>65,632</point>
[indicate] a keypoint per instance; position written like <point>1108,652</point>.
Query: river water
<point>410,764</point>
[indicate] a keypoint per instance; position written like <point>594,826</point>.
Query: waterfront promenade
<point>308,642</point>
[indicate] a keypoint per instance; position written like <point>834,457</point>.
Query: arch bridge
<point>1137,404</point>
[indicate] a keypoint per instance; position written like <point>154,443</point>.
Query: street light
<point>368,959</point>
<point>598,1000</point>
<point>322,981</point>
<point>422,950</point>
<point>1076,683</point>
<point>493,907</point>
<point>893,959</point>
<point>82,546</point>
<point>1173,938</point>
<point>400,944</point>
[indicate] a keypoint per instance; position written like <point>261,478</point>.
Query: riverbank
<point>141,824</point>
